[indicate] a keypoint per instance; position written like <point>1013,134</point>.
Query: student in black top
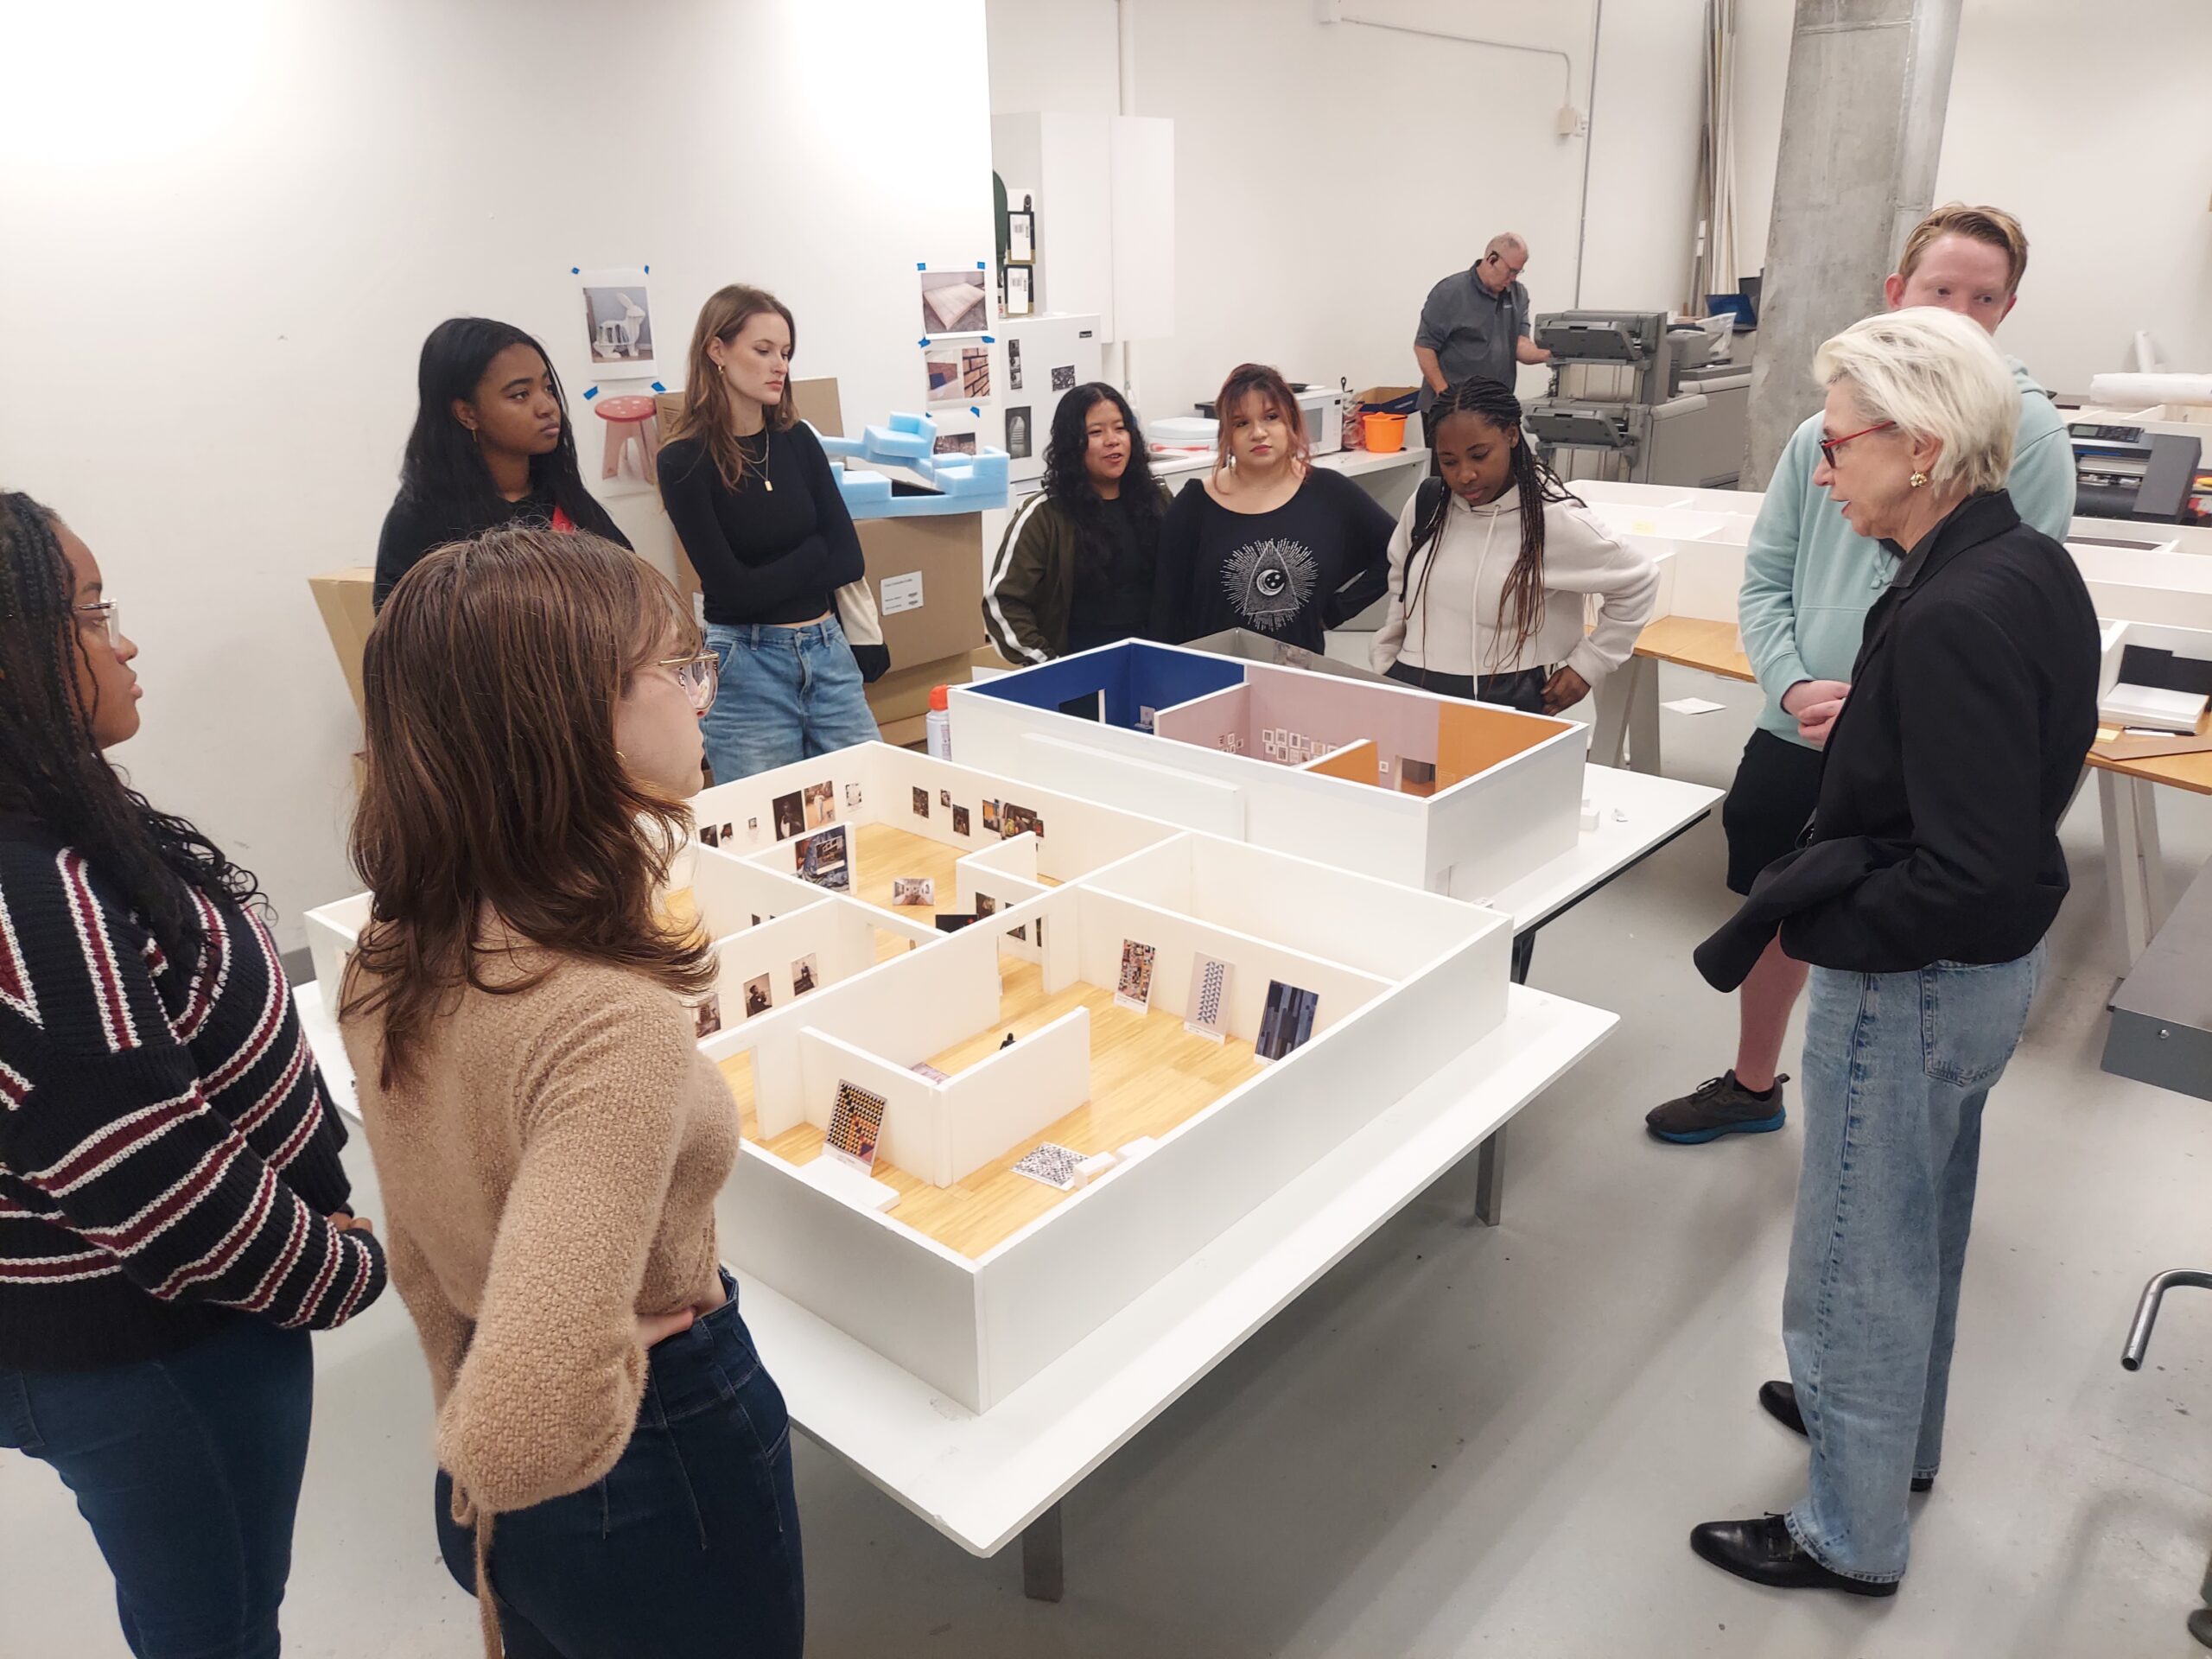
<point>173,1211</point>
<point>1076,568</point>
<point>490,446</point>
<point>756,506</point>
<point>1269,542</point>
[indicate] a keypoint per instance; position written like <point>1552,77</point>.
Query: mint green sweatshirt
<point>1809,579</point>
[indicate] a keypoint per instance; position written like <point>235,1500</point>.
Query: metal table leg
<point>1043,1566</point>
<point>1489,1177</point>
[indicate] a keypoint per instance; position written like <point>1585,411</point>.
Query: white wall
<point>1328,175</point>
<point>230,225</point>
<point>2088,121</point>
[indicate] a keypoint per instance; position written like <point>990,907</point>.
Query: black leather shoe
<point>1763,1551</point>
<point>1780,1400</point>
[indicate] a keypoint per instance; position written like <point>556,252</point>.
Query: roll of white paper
<point>2141,391</point>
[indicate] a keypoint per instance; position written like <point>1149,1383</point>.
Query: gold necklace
<point>761,466</point>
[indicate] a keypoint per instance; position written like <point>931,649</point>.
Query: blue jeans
<point>688,1545</point>
<point>788,693</point>
<point>188,1469</point>
<point>1897,1068</point>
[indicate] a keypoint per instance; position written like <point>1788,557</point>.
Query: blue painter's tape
<point>658,387</point>
<point>921,264</point>
<point>980,265</point>
<point>575,271</point>
<point>924,341</point>
<point>974,409</point>
<point>990,340</point>
<point>648,271</point>
<point>590,393</point>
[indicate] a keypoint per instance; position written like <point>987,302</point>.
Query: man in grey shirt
<point>1476,322</point>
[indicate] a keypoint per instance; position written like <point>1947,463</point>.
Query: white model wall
<point>2088,121</point>
<point>1328,174</point>
<point>230,224</point>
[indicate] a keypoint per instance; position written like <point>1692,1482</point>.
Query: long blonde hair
<point>706,412</point>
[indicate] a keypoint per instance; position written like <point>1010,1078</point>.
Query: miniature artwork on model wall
<point>921,802</point>
<point>821,804</point>
<point>914,890</point>
<point>821,858</point>
<point>806,974</point>
<point>1019,820</point>
<point>709,835</point>
<point>959,820</point>
<point>1133,989</point>
<point>1286,1019</point>
<point>789,814</point>
<point>852,794</point>
<point>708,1014</point>
<point>619,322</point>
<point>855,1126</point>
<point>757,997</point>
<point>1053,1164</point>
<point>1208,998</point>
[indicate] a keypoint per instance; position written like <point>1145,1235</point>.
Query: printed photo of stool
<point>629,420</point>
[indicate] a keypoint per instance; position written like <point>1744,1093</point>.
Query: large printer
<point>2143,471</point>
<point>1633,400</point>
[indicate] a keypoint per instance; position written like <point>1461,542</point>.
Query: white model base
<point>835,1176</point>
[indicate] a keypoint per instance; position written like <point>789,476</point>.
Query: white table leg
<point>2117,806</point>
<point>1643,718</point>
<point>2148,850</point>
<point>1609,720</point>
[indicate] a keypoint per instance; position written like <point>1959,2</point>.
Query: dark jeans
<point>188,1469</point>
<point>690,1545</point>
<point>1522,689</point>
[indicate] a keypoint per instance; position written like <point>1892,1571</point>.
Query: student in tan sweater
<point>547,1137</point>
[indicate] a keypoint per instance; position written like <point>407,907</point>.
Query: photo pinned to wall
<point>1019,291</point>
<point>991,815</point>
<point>807,975</point>
<point>944,797</point>
<point>1014,366</point>
<point>709,835</point>
<point>852,794</point>
<point>1133,989</point>
<point>952,302</point>
<point>789,814</point>
<point>855,1126</point>
<point>619,322</point>
<point>1056,1165</point>
<point>822,859</point>
<point>729,834</point>
<point>941,373</point>
<point>1208,1013</point>
<point>753,828</point>
<point>986,905</point>
<point>1021,237</point>
<point>758,997</point>
<point>917,890</point>
<point>820,803</point>
<point>975,372</point>
<point>707,1015</point>
<point>954,443</point>
<point>1286,1019</point>
<point>959,820</point>
<point>1017,426</point>
<point>1064,377</point>
<point>921,802</point>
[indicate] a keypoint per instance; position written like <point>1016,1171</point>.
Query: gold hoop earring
<point>1919,479</point>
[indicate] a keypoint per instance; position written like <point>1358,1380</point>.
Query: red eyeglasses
<point>1829,446</point>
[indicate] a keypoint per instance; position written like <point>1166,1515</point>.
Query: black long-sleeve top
<point>1291,573</point>
<point>168,1154</point>
<point>415,527</point>
<point>775,551</point>
<point>1972,703</point>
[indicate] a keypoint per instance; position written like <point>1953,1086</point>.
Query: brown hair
<point>705,413</point>
<point>492,799</point>
<point>1992,226</point>
<point>1245,379</point>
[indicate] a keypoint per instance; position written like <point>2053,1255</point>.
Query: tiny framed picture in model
<point>959,820</point>
<point>921,802</point>
<point>1133,989</point>
<point>918,890</point>
<point>821,858</point>
<point>1286,1019</point>
<point>806,974</point>
<point>986,905</point>
<point>709,835</point>
<point>991,815</point>
<point>1057,1166</point>
<point>944,797</point>
<point>1020,238</point>
<point>789,814</point>
<point>1207,1014</point>
<point>855,1126</point>
<point>1019,290</point>
<point>708,1015</point>
<point>952,302</point>
<point>753,828</point>
<point>729,834</point>
<point>758,999</point>
<point>821,804</point>
<point>852,794</point>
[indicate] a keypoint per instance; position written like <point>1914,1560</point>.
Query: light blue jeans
<point>1897,1068</point>
<point>788,693</point>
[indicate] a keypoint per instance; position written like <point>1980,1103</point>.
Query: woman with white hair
<point>1921,895</point>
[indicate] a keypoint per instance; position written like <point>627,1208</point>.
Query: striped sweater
<point>169,1154</point>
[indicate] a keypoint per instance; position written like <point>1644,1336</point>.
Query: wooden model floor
<point>1147,1076</point>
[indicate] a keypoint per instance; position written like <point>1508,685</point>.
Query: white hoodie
<point>1459,579</point>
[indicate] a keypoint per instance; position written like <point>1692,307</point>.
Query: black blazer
<point>1973,703</point>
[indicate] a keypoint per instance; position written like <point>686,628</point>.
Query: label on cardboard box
<point>902,593</point>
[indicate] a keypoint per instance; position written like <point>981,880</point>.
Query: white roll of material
<point>2141,391</point>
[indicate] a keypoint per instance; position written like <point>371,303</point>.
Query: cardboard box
<point>343,597</point>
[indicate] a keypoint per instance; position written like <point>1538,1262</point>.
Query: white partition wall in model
<point>1145,1034</point>
<point>1451,796</point>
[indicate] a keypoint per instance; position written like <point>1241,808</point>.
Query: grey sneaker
<point>1716,1107</point>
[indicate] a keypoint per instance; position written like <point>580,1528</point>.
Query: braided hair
<point>51,768</point>
<point>1521,599</point>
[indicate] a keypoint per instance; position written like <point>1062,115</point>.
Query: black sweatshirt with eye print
<point>1311,564</point>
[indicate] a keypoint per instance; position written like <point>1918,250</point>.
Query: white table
<point>982,1480</point>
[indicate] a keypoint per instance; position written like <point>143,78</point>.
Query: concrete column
<point>1862,125</point>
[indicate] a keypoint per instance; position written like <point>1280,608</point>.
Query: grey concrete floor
<point>1468,1441</point>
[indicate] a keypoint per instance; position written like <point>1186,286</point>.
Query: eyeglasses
<point>701,676</point>
<point>110,616</point>
<point>1829,446</point>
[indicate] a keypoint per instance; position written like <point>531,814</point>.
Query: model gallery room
<point>1106,830</point>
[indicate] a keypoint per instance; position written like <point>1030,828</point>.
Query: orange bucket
<point>1385,433</point>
